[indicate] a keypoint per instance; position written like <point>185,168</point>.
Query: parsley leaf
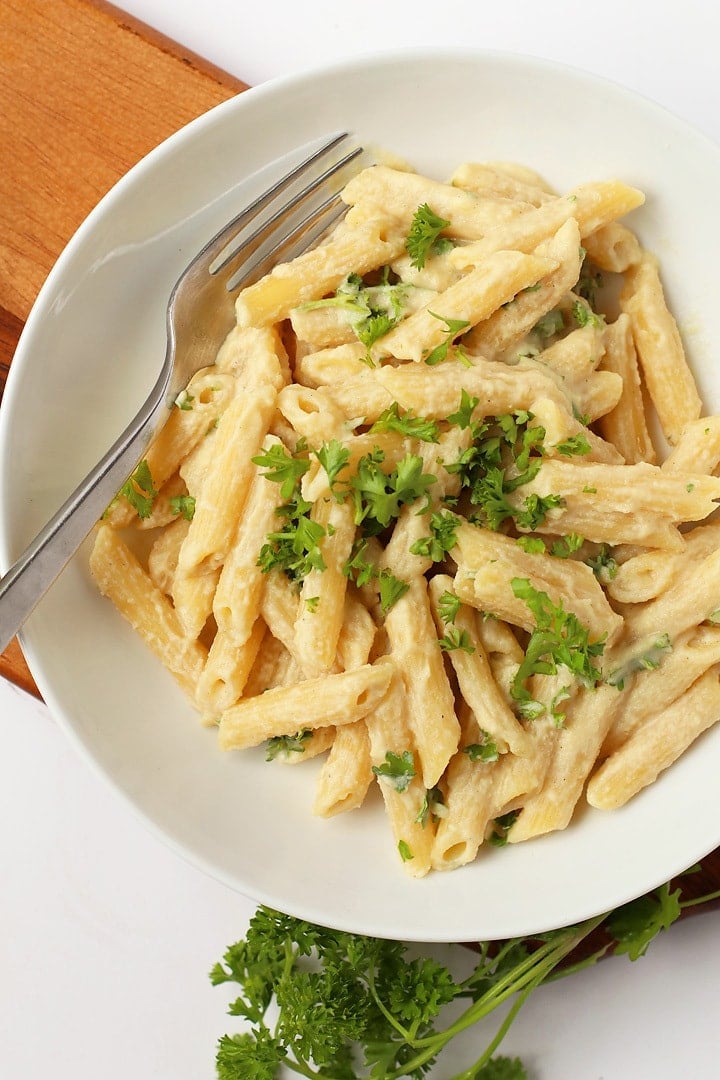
<point>391,589</point>
<point>425,229</point>
<point>635,924</point>
<point>333,457</point>
<point>463,417</point>
<point>455,638</point>
<point>282,468</point>
<point>448,606</point>
<point>140,491</point>
<point>442,538</point>
<point>440,352</point>
<point>486,750</point>
<point>379,496</point>
<point>183,504</point>
<point>417,427</point>
<point>397,769</point>
<point>295,548</point>
<point>558,640</point>
<point>285,745</point>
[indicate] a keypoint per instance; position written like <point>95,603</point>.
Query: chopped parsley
<point>603,565</point>
<point>283,468</point>
<point>574,445</point>
<point>405,423</point>
<point>391,589</point>
<point>440,352</point>
<point>398,770</point>
<point>404,850</point>
<point>424,237</point>
<point>140,490</point>
<point>375,307</point>
<point>432,808</point>
<point>558,640</point>
<point>378,496</point>
<point>183,505</point>
<point>501,826</point>
<point>583,314</point>
<point>455,638</point>
<point>333,457</point>
<point>442,538</point>
<point>295,548</point>
<point>448,606</point>
<point>284,745</point>
<point>647,658</point>
<point>463,417</point>
<point>486,750</point>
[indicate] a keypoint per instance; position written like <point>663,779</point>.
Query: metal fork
<point>288,218</point>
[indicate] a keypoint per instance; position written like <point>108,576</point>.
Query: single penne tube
<point>697,449</point>
<point>360,247</point>
<point>488,179</point>
<point>632,489</point>
<point>121,578</point>
<point>469,301</point>
<point>236,602</point>
<point>626,424</point>
<point>576,355</point>
<point>596,523</point>
<point>689,601</point>
<point>163,555</point>
<point>255,356</point>
<point>613,247</point>
<point>474,674</point>
<point>313,413</point>
<point>336,699</point>
<point>435,392</point>
<point>197,409</point>
<point>357,634</point>
<point>656,744</point>
<point>228,666</point>
<point>646,575</point>
<point>279,605</point>
<point>193,600</point>
<point>653,688</point>
<point>333,364</point>
<point>346,774</point>
<point>574,755</point>
<point>599,203</point>
<point>504,330</point>
<point>488,562</point>
<point>469,214</point>
<point>431,704</point>
<point>523,233</point>
<point>242,428</point>
<point>668,378</point>
<point>407,805</point>
<point>322,596</point>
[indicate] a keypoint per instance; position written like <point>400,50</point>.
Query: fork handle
<point>29,578</point>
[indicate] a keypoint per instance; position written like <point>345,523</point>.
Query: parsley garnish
<point>501,827</point>
<point>573,445</point>
<point>486,750</point>
<point>648,658</point>
<point>463,417</point>
<point>440,352</point>
<point>391,589</point>
<point>295,548</point>
<point>456,639</point>
<point>417,427</point>
<point>333,457</point>
<point>404,850</point>
<point>359,1007</point>
<point>603,565</point>
<point>375,308</point>
<point>140,491</point>
<point>432,807</point>
<point>397,769</point>
<point>442,538</point>
<point>566,545</point>
<point>583,314</point>
<point>558,640</point>
<point>424,232</point>
<point>282,468</point>
<point>183,504</point>
<point>284,745</point>
<point>379,496</point>
<point>448,606</point>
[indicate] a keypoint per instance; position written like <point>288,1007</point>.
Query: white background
<point>106,937</point>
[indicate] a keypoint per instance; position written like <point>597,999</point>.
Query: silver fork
<point>289,217</point>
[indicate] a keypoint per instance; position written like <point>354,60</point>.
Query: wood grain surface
<point>86,92</point>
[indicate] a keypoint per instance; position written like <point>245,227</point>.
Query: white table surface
<point>106,936</point>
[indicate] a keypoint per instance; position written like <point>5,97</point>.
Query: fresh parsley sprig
<point>332,1005</point>
<point>422,239</point>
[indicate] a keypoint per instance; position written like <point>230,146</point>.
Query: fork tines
<point>294,213</point>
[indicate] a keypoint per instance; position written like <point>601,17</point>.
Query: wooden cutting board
<point>87,91</point>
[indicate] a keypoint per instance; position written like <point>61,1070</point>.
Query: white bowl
<point>89,354</point>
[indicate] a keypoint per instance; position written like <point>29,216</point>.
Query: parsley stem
<point>706,899</point>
